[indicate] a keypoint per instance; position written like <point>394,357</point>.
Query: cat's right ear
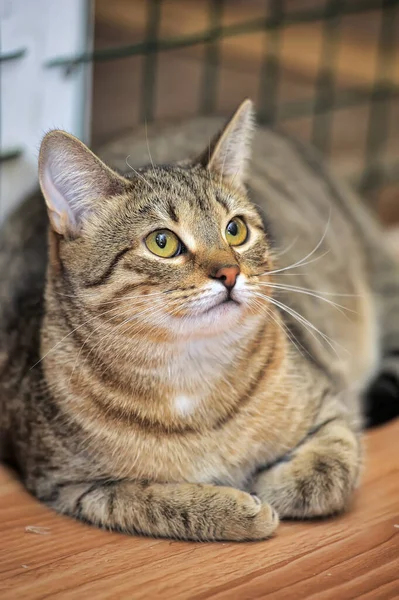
<point>73,181</point>
<point>229,151</point>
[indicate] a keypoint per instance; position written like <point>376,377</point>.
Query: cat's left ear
<point>230,151</point>
<point>74,182</point>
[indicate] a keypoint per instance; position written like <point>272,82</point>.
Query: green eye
<point>163,243</point>
<point>236,232</point>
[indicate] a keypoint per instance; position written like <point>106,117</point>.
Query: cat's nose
<point>227,275</point>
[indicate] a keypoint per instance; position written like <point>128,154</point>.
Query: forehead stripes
<point>172,192</point>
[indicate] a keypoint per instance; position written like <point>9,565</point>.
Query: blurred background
<point>326,71</point>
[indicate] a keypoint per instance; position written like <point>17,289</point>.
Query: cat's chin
<point>212,321</point>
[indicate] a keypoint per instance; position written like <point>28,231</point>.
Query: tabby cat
<point>189,350</point>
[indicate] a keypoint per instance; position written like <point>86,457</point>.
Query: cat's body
<point>137,424</point>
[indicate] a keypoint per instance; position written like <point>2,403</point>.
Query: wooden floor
<point>354,556</point>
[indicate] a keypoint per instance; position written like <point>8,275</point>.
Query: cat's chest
<point>186,404</point>
<point>227,450</point>
<point>228,454</point>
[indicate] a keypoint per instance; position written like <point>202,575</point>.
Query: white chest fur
<point>184,405</point>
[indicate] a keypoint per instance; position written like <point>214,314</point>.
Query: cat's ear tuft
<point>73,181</point>
<point>230,150</point>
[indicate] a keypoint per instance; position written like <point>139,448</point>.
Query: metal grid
<point>326,97</point>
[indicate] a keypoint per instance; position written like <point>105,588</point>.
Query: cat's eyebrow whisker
<point>234,177</point>
<point>148,144</point>
<point>222,170</point>
<point>141,177</point>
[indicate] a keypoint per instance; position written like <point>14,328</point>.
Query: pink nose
<point>227,275</point>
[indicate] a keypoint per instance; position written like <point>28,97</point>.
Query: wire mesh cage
<point>324,70</point>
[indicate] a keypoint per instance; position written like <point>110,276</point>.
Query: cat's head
<point>177,249</point>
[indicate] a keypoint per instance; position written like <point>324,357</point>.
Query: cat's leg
<point>318,477</point>
<point>184,511</point>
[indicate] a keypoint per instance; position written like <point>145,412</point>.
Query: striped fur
<point>127,401</point>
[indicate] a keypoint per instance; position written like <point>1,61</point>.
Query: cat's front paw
<point>314,486</point>
<point>246,517</point>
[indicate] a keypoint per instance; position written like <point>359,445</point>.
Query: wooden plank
<point>355,555</point>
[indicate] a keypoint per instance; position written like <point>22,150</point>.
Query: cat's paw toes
<point>250,519</point>
<point>256,498</point>
<point>265,523</point>
<point>321,489</point>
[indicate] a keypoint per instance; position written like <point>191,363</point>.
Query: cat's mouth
<point>226,302</point>
<point>213,317</point>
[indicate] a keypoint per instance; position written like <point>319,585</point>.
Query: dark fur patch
<point>382,399</point>
<point>103,278</point>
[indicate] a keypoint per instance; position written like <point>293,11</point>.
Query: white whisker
<point>148,145</point>
<point>141,177</point>
<point>288,248</point>
<point>86,323</point>
<point>282,326</point>
<point>312,329</point>
<point>309,292</point>
<point>113,330</point>
<point>302,262</point>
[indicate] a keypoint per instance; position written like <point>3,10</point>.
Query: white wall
<point>33,97</point>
